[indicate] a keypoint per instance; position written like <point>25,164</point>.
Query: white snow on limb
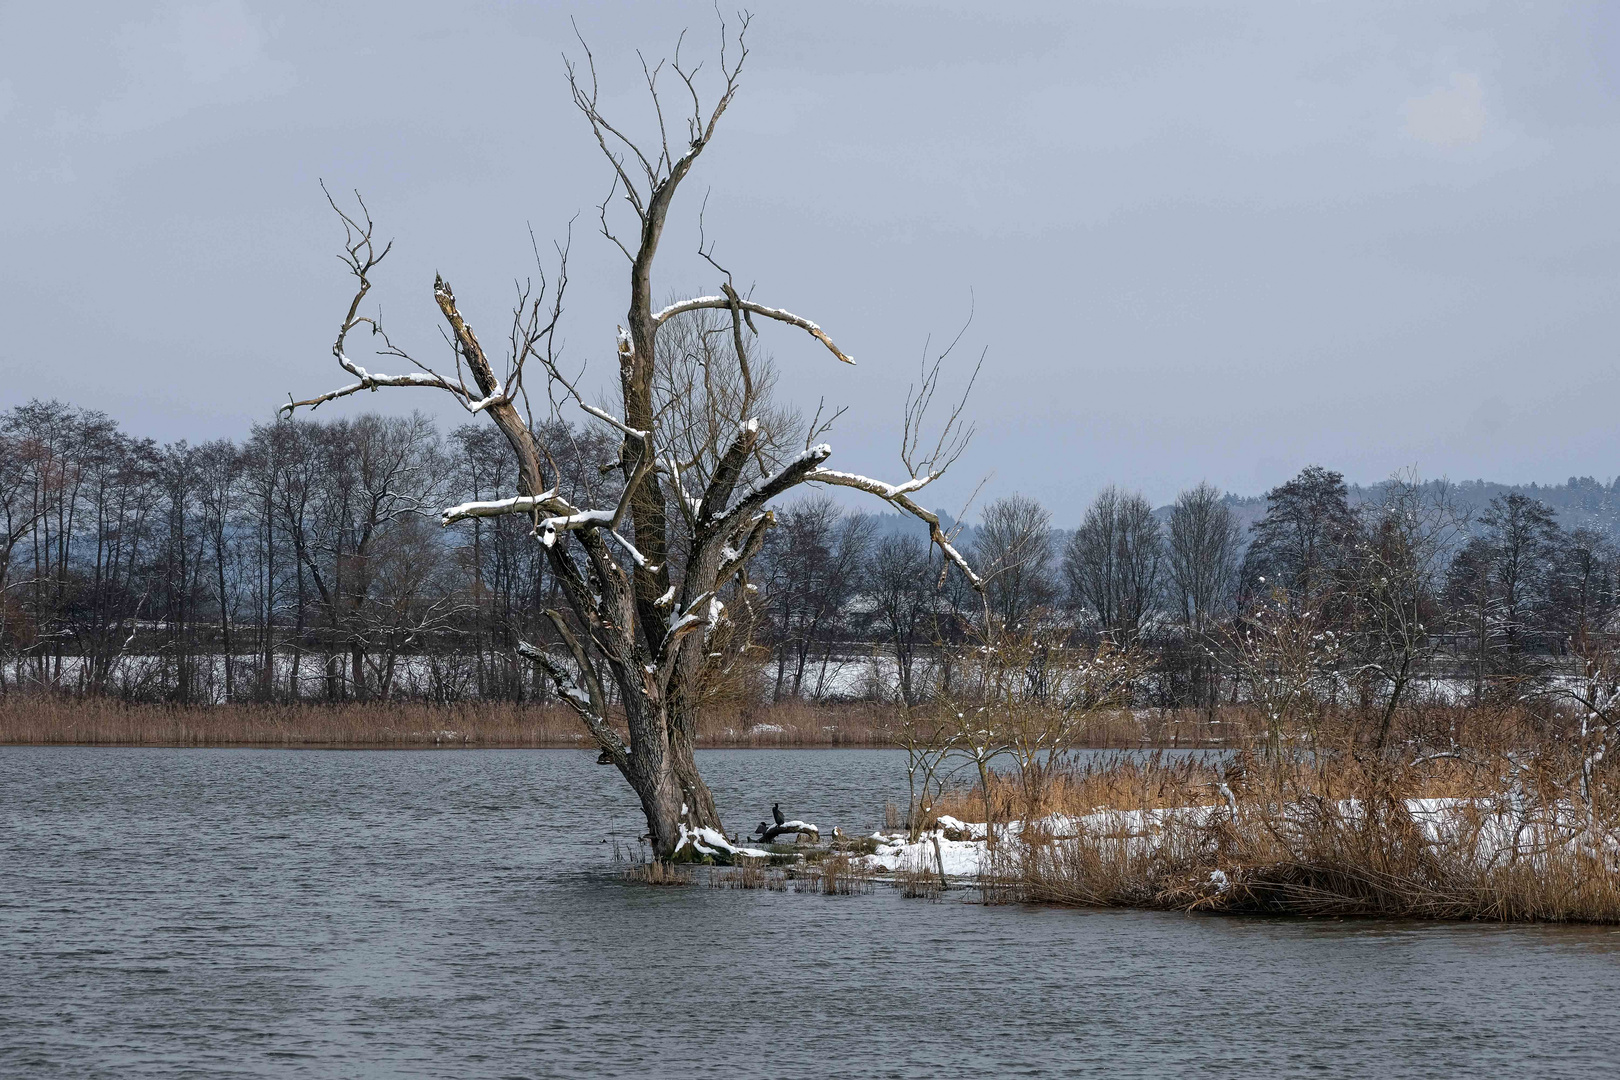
<point>613,421</point>
<point>899,495</point>
<point>671,468</point>
<point>641,560</point>
<point>692,617</point>
<point>815,454</point>
<point>496,397</point>
<point>565,686</point>
<point>798,828</point>
<point>371,381</point>
<point>707,841</point>
<point>876,487</point>
<point>667,599</point>
<point>551,526</point>
<point>517,504</point>
<point>681,624</point>
<point>758,309</point>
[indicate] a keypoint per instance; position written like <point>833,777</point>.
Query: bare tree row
<point>306,562</point>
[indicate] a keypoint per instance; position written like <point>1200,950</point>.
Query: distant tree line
<point>306,562</point>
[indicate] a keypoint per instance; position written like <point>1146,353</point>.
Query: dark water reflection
<point>267,913</point>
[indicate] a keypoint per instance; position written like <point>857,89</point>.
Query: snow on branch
<point>778,314</point>
<point>580,519</point>
<point>797,469</point>
<point>584,705</point>
<point>517,504</point>
<point>876,487</point>
<point>696,614</point>
<point>370,381</point>
<point>897,495</point>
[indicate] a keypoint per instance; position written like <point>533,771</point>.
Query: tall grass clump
<point>1487,834</point>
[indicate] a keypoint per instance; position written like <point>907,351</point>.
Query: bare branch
<point>896,495</point>
<point>732,302</point>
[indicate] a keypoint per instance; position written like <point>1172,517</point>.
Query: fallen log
<point>711,846</point>
<point>767,833</point>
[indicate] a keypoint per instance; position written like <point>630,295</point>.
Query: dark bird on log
<point>776,812</point>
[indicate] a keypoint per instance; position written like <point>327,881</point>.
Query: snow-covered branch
<point>695,615</point>
<point>371,381</point>
<point>794,472</point>
<point>580,519</point>
<point>778,314</point>
<point>517,504</point>
<point>897,495</point>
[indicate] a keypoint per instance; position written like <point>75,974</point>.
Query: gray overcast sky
<point>1205,241</point>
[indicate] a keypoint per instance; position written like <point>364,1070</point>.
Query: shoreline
<point>68,721</point>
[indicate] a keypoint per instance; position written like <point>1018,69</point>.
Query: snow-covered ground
<point>1477,830</point>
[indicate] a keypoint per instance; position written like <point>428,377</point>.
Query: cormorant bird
<point>776,812</point>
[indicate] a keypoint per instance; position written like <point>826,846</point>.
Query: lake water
<point>263,913</point>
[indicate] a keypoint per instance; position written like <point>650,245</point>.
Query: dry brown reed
<point>1331,832</point>
<point>658,873</point>
<point>750,875</point>
<point>62,720</point>
<point>918,881</point>
<point>27,719</point>
<point>834,876</point>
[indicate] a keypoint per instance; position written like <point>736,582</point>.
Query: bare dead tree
<point>644,575</point>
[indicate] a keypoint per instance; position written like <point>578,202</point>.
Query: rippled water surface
<point>456,914</point>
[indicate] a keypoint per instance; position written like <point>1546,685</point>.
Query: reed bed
<point>64,720</point>
<point>750,875</point>
<point>1494,834</point>
<point>835,876</point>
<point>658,873</point>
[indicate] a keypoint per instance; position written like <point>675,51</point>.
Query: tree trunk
<point>665,779</point>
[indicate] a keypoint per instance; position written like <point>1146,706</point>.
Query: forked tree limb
<point>898,495</point>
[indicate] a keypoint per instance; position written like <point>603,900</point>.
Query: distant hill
<point>1580,501</point>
